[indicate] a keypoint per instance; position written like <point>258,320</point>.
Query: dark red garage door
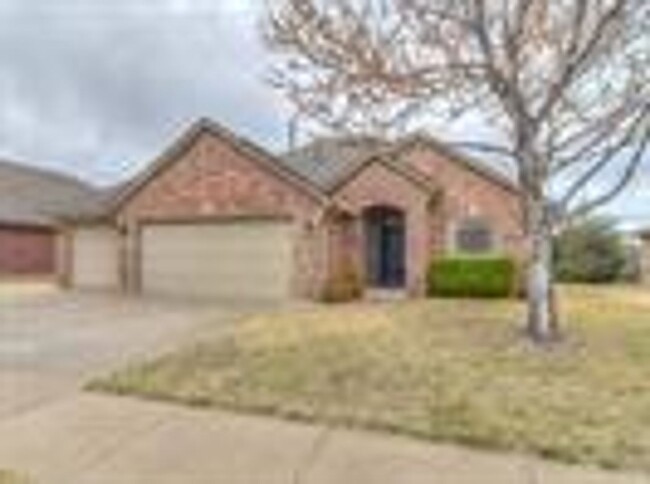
<point>27,251</point>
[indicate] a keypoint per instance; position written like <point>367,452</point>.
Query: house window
<point>473,236</point>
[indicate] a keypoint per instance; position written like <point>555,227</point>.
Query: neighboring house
<point>31,200</point>
<point>218,216</point>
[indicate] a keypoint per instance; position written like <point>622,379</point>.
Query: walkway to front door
<point>385,230</point>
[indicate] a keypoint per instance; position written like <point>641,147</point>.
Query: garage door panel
<point>95,262</point>
<point>245,259</point>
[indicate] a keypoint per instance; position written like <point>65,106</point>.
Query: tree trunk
<point>542,325</point>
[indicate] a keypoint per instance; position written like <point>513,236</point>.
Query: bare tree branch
<point>566,84</point>
<point>628,174</point>
<point>608,157</point>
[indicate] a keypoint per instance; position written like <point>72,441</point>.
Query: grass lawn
<point>7,477</point>
<point>454,371</point>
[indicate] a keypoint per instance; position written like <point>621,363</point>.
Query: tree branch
<point>626,177</point>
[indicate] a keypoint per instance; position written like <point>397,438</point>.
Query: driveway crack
<point>119,445</point>
<point>314,453</point>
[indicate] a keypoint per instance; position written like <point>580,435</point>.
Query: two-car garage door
<point>237,259</point>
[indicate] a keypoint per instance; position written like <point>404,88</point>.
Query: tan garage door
<point>95,263</point>
<point>242,259</point>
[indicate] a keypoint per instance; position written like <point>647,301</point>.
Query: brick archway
<point>385,246</point>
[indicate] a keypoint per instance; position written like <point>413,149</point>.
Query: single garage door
<point>95,262</point>
<point>235,259</point>
<point>27,251</point>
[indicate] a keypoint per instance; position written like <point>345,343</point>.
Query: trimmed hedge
<point>472,277</point>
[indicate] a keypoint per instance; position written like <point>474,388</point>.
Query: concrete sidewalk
<point>93,439</point>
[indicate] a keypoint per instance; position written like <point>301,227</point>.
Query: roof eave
<point>85,220</point>
<point>40,224</point>
<point>468,162</point>
<point>418,180</point>
<point>187,139</point>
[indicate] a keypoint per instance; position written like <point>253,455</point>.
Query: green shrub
<point>472,277</point>
<point>590,252</point>
<point>344,285</point>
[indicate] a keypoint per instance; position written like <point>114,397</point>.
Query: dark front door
<point>386,247</point>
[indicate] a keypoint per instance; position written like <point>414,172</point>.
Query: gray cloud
<point>99,87</point>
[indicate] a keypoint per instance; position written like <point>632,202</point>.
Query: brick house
<point>31,200</point>
<point>217,216</point>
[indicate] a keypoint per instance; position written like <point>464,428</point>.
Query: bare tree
<point>566,82</point>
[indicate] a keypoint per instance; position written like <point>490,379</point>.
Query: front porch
<point>384,246</point>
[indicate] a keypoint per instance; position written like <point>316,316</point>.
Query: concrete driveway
<point>51,341</point>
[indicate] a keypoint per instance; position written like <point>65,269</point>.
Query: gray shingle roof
<point>327,161</point>
<point>34,196</point>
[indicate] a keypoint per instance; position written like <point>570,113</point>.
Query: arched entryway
<point>385,240</point>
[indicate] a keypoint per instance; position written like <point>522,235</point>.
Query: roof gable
<point>417,179</point>
<point>468,163</point>
<point>329,162</point>
<point>189,138</point>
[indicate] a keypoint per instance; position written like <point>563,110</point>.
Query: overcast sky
<point>99,87</point>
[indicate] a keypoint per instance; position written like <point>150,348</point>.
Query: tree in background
<point>565,83</point>
<point>590,251</point>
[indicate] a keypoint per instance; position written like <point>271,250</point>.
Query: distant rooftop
<point>35,196</point>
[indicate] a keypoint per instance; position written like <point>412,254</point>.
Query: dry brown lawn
<point>7,477</point>
<point>442,370</point>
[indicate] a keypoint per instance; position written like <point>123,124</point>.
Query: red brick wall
<point>27,251</point>
<point>378,185</point>
<point>463,193</point>
<point>467,193</point>
<point>214,179</point>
